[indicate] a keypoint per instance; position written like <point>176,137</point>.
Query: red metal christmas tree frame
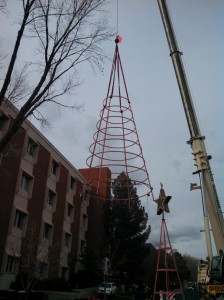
<point>116,143</point>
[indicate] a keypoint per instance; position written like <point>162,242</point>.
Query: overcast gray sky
<point>156,104</point>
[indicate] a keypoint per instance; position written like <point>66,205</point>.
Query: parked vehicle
<point>143,291</point>
<point>108,288</point>
<point>190,286</point>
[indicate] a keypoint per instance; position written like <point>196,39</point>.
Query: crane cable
<point>117,17</point>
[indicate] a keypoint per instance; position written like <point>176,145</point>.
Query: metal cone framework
<point>166,270</point>
<point>116,145</point>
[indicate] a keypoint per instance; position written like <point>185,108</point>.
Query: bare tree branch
<point>3,4</point>
<point>69,33</point>
<point>6,83</point>
<point>18,88</point>
<point>2,53</point>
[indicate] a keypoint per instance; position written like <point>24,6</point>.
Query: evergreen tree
<point>182,267</point>
<point>183,271</point>
<point>126,227</point>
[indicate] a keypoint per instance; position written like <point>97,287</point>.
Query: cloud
<point>185,234</point>
<point>182,238</point>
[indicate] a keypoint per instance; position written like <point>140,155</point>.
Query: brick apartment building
<point>43,197</point>
<point>99,192</point>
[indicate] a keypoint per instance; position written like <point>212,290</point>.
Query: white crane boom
<point>196,139</point>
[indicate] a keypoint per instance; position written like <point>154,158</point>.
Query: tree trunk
<point>14,54</point>
<point>10,132</point>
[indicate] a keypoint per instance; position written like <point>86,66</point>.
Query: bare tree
<point>69,32</point>
<point>34,252</point>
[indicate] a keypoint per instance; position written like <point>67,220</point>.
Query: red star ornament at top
<point>162,202</point>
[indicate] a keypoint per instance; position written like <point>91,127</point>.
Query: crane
<point>212,207</point>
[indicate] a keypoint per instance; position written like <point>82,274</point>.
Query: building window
<point>43,270</point>
<point>54,167</point>
<point>19,219</point>
<point>3,121</point>
<point>26,181</point>
<point>84,193</point>
<point>83,246</point>
<point>12,264</point>
<point>84,220</point>
<point>67,239</point>
<point>31,147</point>
<point>47,231</point>
<point>72,183</point>
<point>51,197</point>
<point>70,210</point>
<point>64,273</point>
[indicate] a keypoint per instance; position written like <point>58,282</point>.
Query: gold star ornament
<point>162,202</point>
